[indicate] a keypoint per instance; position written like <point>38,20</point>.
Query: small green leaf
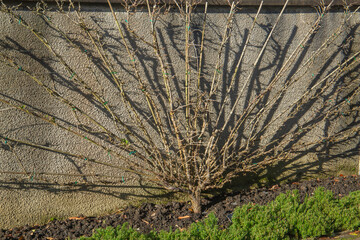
<point>124,141</point>
<point>32,176</point>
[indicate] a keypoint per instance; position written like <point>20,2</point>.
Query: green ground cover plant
<point>284,218</point>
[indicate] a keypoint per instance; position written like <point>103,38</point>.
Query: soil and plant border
<point>177,216</point>
<point>284,218</point>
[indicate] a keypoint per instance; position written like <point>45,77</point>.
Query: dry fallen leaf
<point>355,233</point>
<point>76,218</point>
<point>145,221</point>
<point>184,217</point>
<point>119,211</point>
<point>274,187</point>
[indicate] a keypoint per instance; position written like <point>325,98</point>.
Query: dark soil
<point>177,215</point>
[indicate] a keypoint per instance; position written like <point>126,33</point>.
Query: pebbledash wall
<point>29,200</point>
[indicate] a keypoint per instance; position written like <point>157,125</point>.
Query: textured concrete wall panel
<point>29,199</point>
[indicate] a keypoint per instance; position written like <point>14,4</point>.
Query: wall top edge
<point>226,2</point>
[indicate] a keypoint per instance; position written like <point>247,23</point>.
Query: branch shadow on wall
<point>325,154</point>
<point>123,191</point>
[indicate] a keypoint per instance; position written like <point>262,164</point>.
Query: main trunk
<point>196,201</point>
